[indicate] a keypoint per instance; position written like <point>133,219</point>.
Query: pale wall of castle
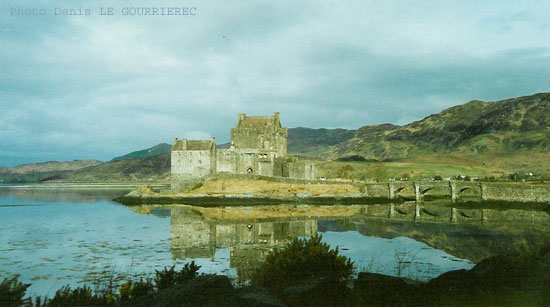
<point>258,147</point>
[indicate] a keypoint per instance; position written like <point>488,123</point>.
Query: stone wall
<point>515,192</point>
<point>302,170</point>
<point>191,167</point>
<point>258,147</point>
<point>194,163</point>
<point>377,190</point>
<point>246,161</point>
<point>260,138</point>
<point>226,161</point>
<point>261,133</point>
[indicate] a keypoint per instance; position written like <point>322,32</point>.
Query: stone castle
<point>258,147</point>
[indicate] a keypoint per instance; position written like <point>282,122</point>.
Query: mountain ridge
<point>145,153</point>
<point>474,128</point>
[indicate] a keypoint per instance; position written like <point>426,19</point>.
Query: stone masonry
<point>258,147</point>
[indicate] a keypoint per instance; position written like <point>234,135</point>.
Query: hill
<point>154,168</point>
<point>145,153</point>
<point>43,171</point>
<point>513,131</point>
<point>307,141</point>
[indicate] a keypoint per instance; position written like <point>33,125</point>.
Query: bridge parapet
<point>517,192</point>
<point>488,191</point>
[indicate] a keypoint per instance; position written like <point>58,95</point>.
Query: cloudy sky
<point>95,87</point>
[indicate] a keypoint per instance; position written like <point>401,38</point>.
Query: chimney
<point>277,120</point>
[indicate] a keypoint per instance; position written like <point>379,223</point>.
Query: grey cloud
<point>98,87</point>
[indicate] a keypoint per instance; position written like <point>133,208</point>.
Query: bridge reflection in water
<point>251,233</point>
<point>485,191</point>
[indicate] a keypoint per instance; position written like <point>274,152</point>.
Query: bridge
<point>487,191</point>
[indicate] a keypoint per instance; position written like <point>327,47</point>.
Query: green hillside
<point>307,141</point>
<point>145,153</point>
<point>509,133</point>
<point>155,168</point>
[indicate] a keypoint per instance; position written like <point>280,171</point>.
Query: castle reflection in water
<point>193,235</point>
<point>252,233</point>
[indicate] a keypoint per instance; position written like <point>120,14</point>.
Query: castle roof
<point>258,121</point>
<point>193,144</point>
<point>198,145</point>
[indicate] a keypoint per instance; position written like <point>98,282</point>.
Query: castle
<point>258,147</point>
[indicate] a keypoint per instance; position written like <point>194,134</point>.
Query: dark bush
<point>301,260</point>
<point>12,292</point>
<point>132,290</point>
<point>169,277</point>
<point>345,171</point>
<point>81,296</point>
<point>356,158</point>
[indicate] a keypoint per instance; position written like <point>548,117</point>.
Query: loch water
<point>57,237</point>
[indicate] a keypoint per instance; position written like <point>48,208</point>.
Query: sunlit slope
<point>514,132</point>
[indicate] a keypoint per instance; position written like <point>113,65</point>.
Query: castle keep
<point>258,147</point>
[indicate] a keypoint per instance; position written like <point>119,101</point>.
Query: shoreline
<point>77,185</point>
<point>254,200</point>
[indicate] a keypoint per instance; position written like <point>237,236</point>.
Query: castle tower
<point>263,133</point>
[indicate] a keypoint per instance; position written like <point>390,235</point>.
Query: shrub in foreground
<point>169,277</point>
<point>12,292</point>
<point>80,296</point>
<point>302,260</point>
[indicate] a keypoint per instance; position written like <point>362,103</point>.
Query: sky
<point>97,86</point>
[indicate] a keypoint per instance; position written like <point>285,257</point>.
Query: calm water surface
<point>56,237</point>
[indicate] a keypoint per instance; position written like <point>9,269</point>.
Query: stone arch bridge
<point>487,191</point>
<point>420,188</point>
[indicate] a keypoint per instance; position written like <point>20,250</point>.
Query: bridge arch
<point>464,189</point>
<point>444,189</point>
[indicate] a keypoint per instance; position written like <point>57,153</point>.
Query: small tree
<point>12,292</point>
<point>378,171</point>
<point>345,171</point>
<point>300,260</point>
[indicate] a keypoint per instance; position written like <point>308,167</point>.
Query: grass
<point>415,170</point>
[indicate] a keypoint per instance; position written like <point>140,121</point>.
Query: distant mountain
<point>144,165</point>
<point>154,168</point>
<point>307,141</point>
<point>145,153</point>
<point>43,171</point>
<point>52,166</point>
<point>513,128</point>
